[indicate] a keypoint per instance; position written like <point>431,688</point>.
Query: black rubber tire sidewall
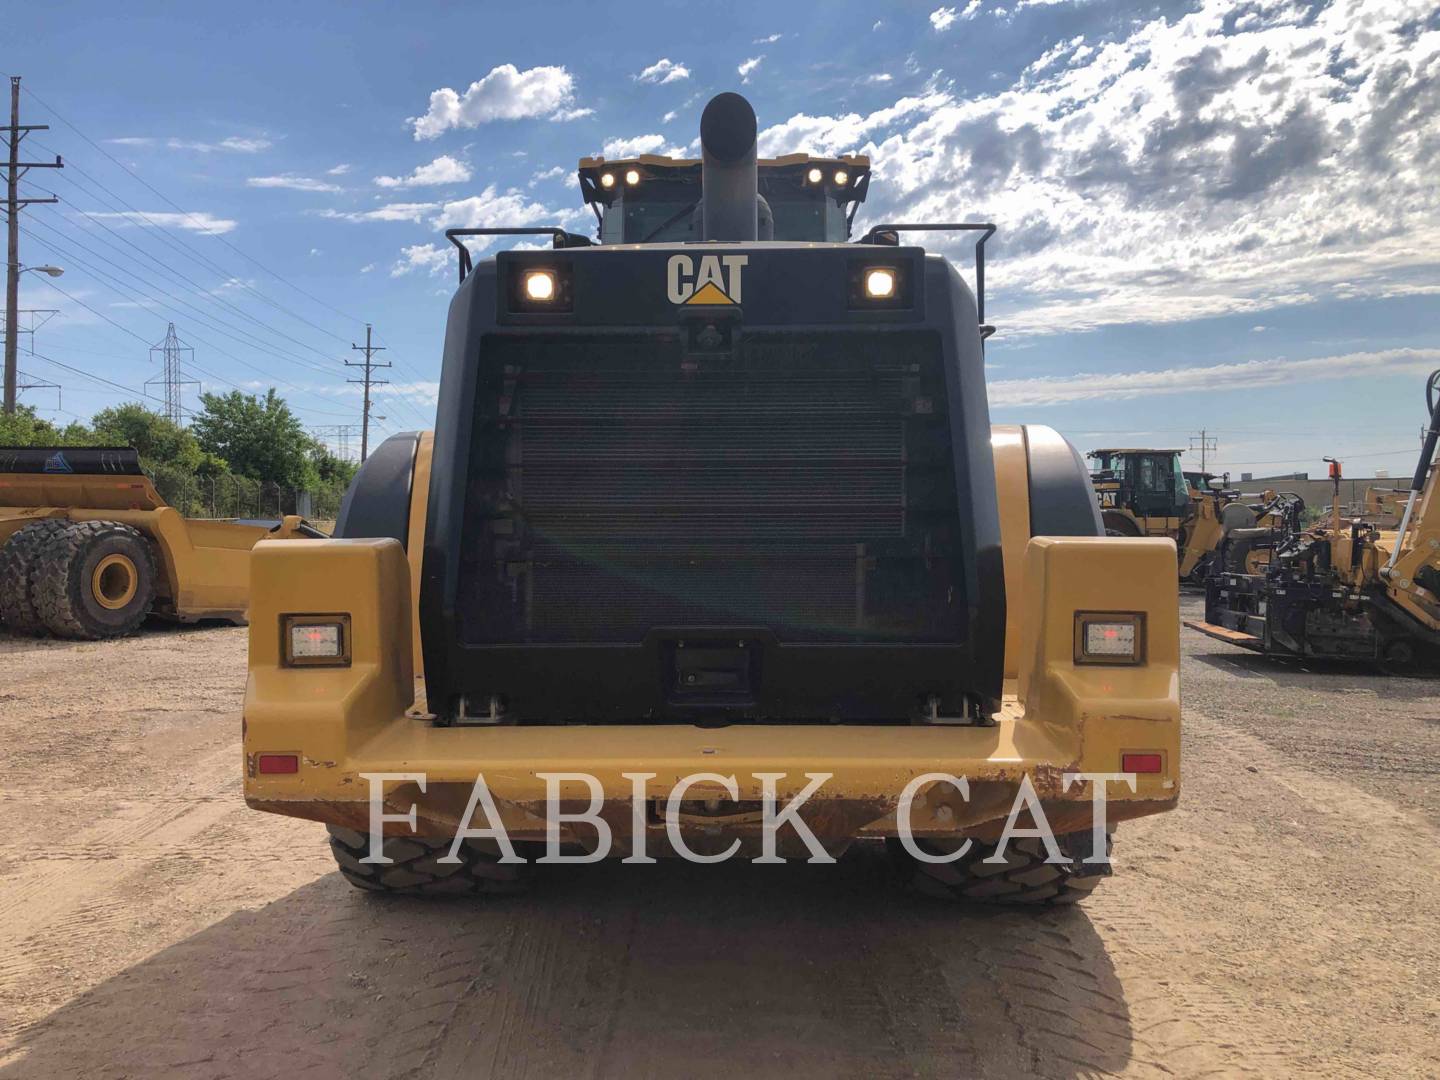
<point>62,588</point>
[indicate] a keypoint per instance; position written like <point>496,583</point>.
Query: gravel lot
<point>1282,922</point>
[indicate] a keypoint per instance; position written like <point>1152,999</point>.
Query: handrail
<point>561,239</point>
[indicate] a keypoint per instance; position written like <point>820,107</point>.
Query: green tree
<point>258,437</point>
<point>159,440</point>
<point>25,428</point>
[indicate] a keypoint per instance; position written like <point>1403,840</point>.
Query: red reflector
<point>1141,763</point>
<point>277,763</point>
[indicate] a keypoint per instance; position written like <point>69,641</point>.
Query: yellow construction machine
<point>1147,493</point>
<point>1345,589</point>
<point>88,548</point>
<point>713,526</point>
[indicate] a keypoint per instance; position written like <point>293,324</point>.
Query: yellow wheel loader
<point>715,551</point>
<point>1147,493</point>
<point>89,549</point>
<point>1344,590</point>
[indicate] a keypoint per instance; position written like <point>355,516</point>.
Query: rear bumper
<point>1057,719</point>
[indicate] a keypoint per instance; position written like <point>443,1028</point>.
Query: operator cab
<point>1148,483</point>
<point>652,199</point>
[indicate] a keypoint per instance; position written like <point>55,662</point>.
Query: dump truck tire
<point>18,559</point>
<point>1025,879</point>
<point>416,870</point>
<point>96,579</point>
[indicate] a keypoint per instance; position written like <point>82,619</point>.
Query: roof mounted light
<point>815,176</point>
<point>632,177</point>
<point>607,180</point>
<point>841,178</point>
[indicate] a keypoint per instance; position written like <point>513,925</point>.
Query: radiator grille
<point>621,486</point>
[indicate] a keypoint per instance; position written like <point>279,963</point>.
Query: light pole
<point>12,331</point>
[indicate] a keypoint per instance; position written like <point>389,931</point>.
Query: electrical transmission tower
<point>1204,443</point>
<point>368,381</point>
<point>14,170</point>
<point>340,433</point>
<point>174,379</point>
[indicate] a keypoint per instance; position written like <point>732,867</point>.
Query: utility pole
<point>1204,443</point>
<point>15,169</point>
<point>369,365</point>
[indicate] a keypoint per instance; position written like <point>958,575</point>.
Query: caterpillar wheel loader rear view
<point>717,498</point>
<point>1345,589</point>
<point>89,549</point>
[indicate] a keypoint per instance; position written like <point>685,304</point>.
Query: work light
<point>841,178</point>
<point>815,176</point>
<point>880,283</point>
<point>539,285</point>
<point>632,176</point>
<point>1109,637</point>
<point>607,180</point>
<point>316,640</point>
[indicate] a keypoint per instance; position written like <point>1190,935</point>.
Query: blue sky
<point>1217,215</point>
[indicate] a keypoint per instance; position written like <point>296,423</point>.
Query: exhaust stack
<point>730,180</point>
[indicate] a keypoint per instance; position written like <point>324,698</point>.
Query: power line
<point>170,202</point>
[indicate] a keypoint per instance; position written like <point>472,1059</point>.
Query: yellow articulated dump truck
<point>714,552</point>
<point>89,549</point>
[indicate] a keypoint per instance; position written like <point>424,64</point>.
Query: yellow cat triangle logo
<point>709,294</point>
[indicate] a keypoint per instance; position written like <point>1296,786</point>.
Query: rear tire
<point>417,871</point>
<point>18,559</point>
<point>96,579</point>
<point>1025,879</point>
<point>1118,524</point>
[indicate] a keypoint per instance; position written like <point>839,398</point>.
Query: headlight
<point>316,640</point>
<point>632,177</point>
<point>539,285</point>
<point>607,180</point>
<point>841,178</point>
<point>815,176</point>
<point>880,283</point>
<point>1109,637</point>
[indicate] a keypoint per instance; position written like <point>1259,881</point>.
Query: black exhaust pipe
<point>730,181</point>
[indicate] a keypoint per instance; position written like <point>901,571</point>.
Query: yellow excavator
<point>1346,589</point>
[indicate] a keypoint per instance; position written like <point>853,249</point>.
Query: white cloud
<point>506,93</point>
<point>942,18</point>
<point>367,268</point>
<point>238,144</point>
<point>1185,169</point>
<point>663,71</point>
<point>879,24</point>
<point>879,78</point>
<point>316,251</point>
<point>571,114</point>
<point>491,208</point>
<point>749,66</point>
<point>1249,375</point>
<point>549,174</point>
<point>293,183</point>
<point>443,170</point>
<point>198,222</point>
<point>640,144</point>
<point>431,258</point>
<point>669,116</point>
<point>389,212</point>
<point>339,170</point>
<point>244,145</point>
<point>767,40</point>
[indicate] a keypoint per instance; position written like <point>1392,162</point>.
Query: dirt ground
<point>1282,922</point>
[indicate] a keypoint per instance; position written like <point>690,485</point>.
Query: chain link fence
<point>229,496</point>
